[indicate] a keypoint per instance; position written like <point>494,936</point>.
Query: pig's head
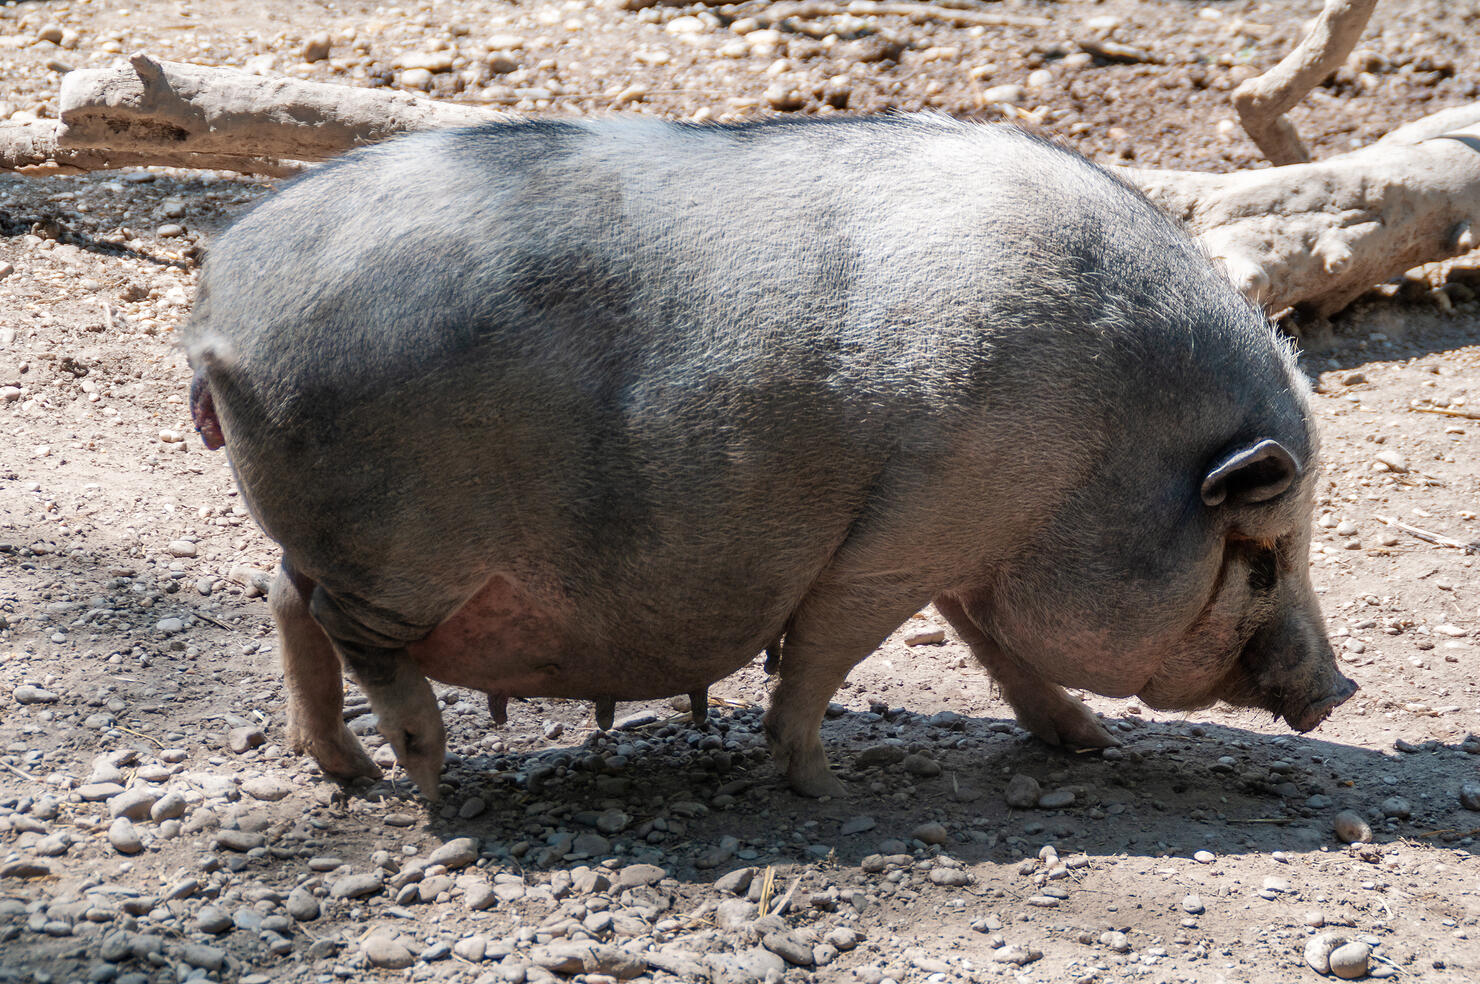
<point>1177,570</point>
<point>1262,612</point>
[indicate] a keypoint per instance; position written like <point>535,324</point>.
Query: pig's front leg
<point>1041,705</point>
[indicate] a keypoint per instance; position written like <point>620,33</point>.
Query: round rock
<point>124,838</point>
<point>1350,828</point>
<point>1022,792</point>
<point>1349,961</point>
<point>382,951</point>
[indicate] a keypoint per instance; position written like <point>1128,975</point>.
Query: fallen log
<point>1308,236</point>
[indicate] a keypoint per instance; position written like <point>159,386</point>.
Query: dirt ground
<point>152,827</point>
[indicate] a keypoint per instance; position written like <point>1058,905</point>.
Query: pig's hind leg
<point>1041,705</point>
<point>399,692</point>
<point>315,683</point>
<point>836,626</point>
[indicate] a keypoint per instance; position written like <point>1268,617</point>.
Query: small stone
<point>244,739</point>
<point>1022,792</point>
<point>789,947</point>
<point>1469,796</point>
<point>417,78</point>
<point>1350,828</point>
<point>1116,941</point>
<point>1016,954</point>
<point>950,877</point>
<point>930,833</point>
<point>382,951</point>
<point>266,788</point>
<point>54,845</point>
<point>735,882</point>
<point>27,694</point>
<point>1397,808</point>
<point>1056,799</point>
<point>857,825</point>
<point>1318,950</point>
<point>1392,460</point>
<point>879,755</point>
<point>921,765</point>
<point>315,48</point>
<point>124,838</point>
<point>1193,905</point>
<point>844,938</point>
<point>479,895</point>
<point>25,869</point>
<point>181,548</point>
<point>96,792</point>
<point>1009,93</point>
<point>212,919</point>
<point>456,853</point>
<point>472,948</point>
<point>357,885</point>
<point>203,955</point>
<point>170,806</point>
<point>471,807</point>
<point>637,875</point>
<point>302,905</point>
<point>1349,961</point>
<point>1354,379</point>
<point>240,840</point>
<point>925,637</point>
<point>1204,857</point>
<point>784,98</point>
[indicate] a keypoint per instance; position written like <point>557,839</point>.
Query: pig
<point>601,409</point>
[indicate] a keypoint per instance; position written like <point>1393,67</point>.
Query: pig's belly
<point>509,643</point>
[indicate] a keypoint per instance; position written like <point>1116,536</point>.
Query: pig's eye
<point>1263,571</point>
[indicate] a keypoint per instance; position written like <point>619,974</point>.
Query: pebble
<point>203,955</point>
<point>1204,857</point>
<point>417,78</point>
<point>472,948</point>
<point>1318,950</point>
<point>1397,807</point>
<point>181,548</point>
<point>241,841</point>
<point>170,806</point>
<point>456,853</point>
<point>857,825</point>
<point>637,875</point>
<point>1022,792</point>
<point>356,885</point>
<point>478,896</point>
<point>921,765</point>
<point>212,919</point>
<point>879,755</point>
<point>1392,460</point>
<point>95,792</point>
<point>950,877</point>
<point>1351,828</point>
<point>1016,954</point>
<point>1193,905</point>
<point>1009,93</point>
<point>124,838</point>
<point>27,694</point>
<point>1056,799</point>
<point>930,833</point>
<point>245,739</point>
<point>925,637</point>
<point>1469,796</point>
<point>302,905</point>
<point>1349,961</point>
<point>735,882</point>
<point>266,788</point>
<point>382,951</point>
<point>789,947</point>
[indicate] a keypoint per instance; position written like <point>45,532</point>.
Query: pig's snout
<point>1306,716</point>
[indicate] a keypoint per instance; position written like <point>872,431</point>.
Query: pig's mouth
<point>1305,717</point>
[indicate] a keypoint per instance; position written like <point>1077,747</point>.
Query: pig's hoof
<point>816,784</point>
<point>339,754</point>
<point>410,721</point>
<point>1066,723</point>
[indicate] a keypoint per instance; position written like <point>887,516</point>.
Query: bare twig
<point>1263,101</point>
<point>920,12</point>
<point>34,149</point>
<point>1438,539</point>
<point>20,772</point>
<point>1446,411</point>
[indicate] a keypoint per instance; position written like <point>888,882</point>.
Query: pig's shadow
<point>703,802</point>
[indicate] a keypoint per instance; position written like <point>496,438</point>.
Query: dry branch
<point>1316,236</point>
<point>1263,101</point>
<point>33,148</point>
<point>150,105</point>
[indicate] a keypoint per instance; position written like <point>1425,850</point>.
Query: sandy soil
<point>136,652</point>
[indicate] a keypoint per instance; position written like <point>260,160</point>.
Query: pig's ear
<point>1256,473</point>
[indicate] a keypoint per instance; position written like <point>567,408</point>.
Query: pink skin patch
<point>203,412</point>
